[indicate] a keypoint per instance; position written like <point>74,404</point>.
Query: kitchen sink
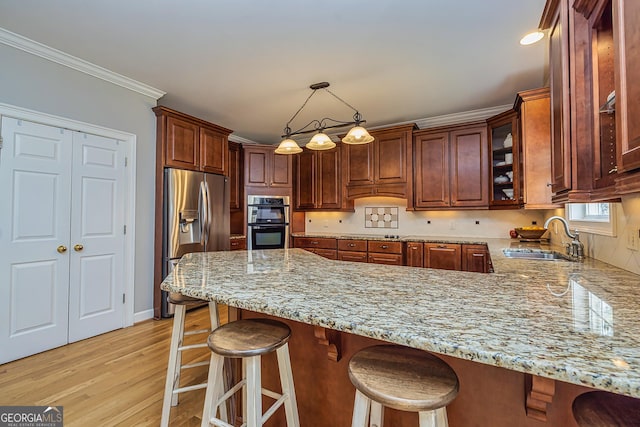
<point>545,256</point>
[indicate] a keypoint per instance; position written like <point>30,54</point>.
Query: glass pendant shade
<point>357,135</point>
<point>288,146</point>
<point>320,141</point>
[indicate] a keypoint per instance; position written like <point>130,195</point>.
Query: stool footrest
<point>191,346</point>
<point>199,331</point>
<point>189,388</point>
<point>231,392</point>
<point>194,365</point>
<point>278,403</point>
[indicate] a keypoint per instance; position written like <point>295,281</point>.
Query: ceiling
<point>247,65</point>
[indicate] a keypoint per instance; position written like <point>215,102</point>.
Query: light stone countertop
<point>571,321</point>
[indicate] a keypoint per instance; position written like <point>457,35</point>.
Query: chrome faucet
<point>575,249</point>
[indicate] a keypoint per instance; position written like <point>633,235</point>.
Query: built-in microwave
<point>267,222</point>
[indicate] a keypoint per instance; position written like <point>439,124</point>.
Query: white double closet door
<point>61,237</point>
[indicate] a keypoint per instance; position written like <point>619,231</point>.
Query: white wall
<point>495,223</point>
<point>34,83</point>
<point>612,250</point>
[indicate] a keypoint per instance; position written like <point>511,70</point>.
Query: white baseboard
<point>142,315</point>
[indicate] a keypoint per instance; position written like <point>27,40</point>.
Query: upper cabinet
<point>264,168</point>
<point>318,180</point>
<point>626,20</point>
<point>533,107</point>
<point>451,167</point>
<point>504,143</point>
<point>381,168</point>
<point>594,71</point>
<point>187,142</point>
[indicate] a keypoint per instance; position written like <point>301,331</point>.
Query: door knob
<point>78,248</point>
<point>62,249</point>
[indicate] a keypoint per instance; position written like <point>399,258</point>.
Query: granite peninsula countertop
<point>571,321</point>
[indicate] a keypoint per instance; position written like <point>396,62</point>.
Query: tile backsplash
<point>472,223</point>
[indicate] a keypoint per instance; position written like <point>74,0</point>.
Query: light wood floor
<point>115,379</point>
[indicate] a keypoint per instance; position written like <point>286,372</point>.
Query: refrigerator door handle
<point>203,207</point>
<point>209,215</point>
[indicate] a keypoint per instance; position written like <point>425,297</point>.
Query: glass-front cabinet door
<point>504,145</point>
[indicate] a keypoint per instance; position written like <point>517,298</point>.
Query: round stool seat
<point>403,378</point>
<point>249,337</point>
<point>179,299</point>
<point>600,409</point>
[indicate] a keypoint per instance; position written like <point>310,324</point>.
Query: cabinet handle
<point>314,243</point>
<point>442,246</point>
<point>61,249</point>
<point>414,248</point>
<point>549,184</point>
<point>384,246</point>
<point>351,245</point>
<point>78,247</point>
<point>614,170</point>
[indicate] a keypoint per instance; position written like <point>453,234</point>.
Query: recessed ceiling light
<point>531,38</point>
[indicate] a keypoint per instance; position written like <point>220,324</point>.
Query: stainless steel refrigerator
<point>196,218</point>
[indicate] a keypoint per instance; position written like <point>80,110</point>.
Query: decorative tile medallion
<point>380,217</point>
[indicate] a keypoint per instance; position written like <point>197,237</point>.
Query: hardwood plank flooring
<point>115,379</point>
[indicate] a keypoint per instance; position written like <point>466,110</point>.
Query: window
<point>596,218</point>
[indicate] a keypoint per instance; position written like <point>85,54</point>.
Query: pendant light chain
<point>300,109</point>
<point>341,100</point>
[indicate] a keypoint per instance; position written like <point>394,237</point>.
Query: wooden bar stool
<point>401,378</point>
<point>249,339</point>
<point>172,385</point>
<point>603,409</point>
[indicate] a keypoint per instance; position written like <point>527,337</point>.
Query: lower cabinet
<point>381,252</point>
<point>446,256</point>
<point>323,246</point>
<point>237,243</point>
<point>476,258</point>
<point>415,254</point>
<point>352,250</point>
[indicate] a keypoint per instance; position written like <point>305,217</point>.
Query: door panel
<point>97,218</point>
<point>34,170</point>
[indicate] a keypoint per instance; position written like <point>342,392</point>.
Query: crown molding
<point>458,118</point>
<point>35,48</point>
<point>241,140</point>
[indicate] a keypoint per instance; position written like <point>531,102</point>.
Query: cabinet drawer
<point>389,259</point>
<point>326,253</point>
<point>352,245</point>
<point>315,242</point>
<point>237,244</point>
<point>385,247</point>
<point>352,256</point>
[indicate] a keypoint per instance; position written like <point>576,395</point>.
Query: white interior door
<point>96,285</point>
<point>35,173</point>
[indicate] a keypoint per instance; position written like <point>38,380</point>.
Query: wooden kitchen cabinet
<point>318,181</point>
<point>187,142</point>
<point>626,20</point>
<point>476,258</point>
<point>237,243</point>
<point>235,176</point>
<point>534,111</point>
<point>383,167</point>
<point>447,256</point>
<point>451,167</point>
<point>323,246</point>
<point>383,252</point>
<point>352,250</point>
<point>415,254</point>
<point>264,168</point>
<point>504,144</point>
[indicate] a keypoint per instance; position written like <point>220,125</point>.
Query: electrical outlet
<point>633,239</point>
<point>452,225</point>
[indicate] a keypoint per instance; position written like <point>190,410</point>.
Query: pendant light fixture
<point>321,141</point>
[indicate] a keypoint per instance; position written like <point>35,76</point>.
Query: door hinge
<point>0,143</point>
<point>123,298</point>
<point>125,229</point>
<point>126,161</point>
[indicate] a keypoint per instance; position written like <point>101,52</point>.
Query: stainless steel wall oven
<point>267,222</point>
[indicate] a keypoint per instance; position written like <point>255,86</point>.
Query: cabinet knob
<point>61,249</point>
<point>351,245</point>
<point>78,247</point>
